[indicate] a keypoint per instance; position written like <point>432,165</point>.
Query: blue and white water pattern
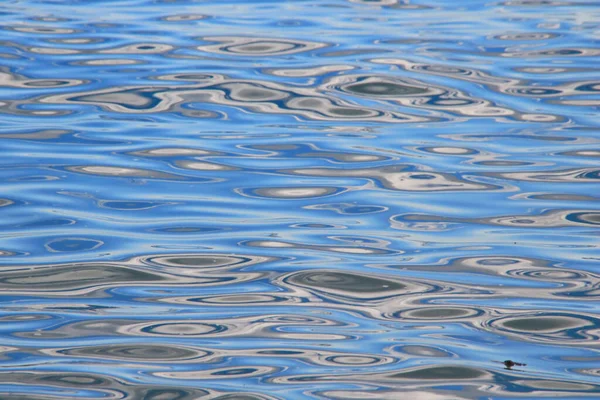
<point>308,199</point>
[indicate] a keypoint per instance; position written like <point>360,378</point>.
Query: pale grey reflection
<point>51,18</point>
<point>105,384</point>
<point>381,86</point>
<point>24,317</point>
<point>547,70</point>
<point>252,92</point>
<point>105,170</point>
<point>439,313</point>
<point>477,157</point>
<point>416,94</point>
<point>139,48</point>
<point>72,244</point>
<point>423,351</point>
<point>526,135</point>
<point>588,371</point>
<point>349,208</point>
<point>358,250</point>
<point>392,4</point>
<point>191,262</point>
<point>316,356</point>
<point>174,151</point>
<point>557,388</point>
<point>164,392</point>
<point>503,84</point>
<point>547,327</point>
<point>355,360</point>
<point>41,29</point>
<point>448,150</point>
<point>183,17</point>
<point>78,40</point>
<point>549,219</point>
<point>504,163</point>
<point>375,2</point>
<point>541,323</point>
<point>384,393</point>
<point>123,327</point>
<point>57,278</point>
<point>253,95</point>
<point>501,265</point>
<point>553,53</point>
<point>537,3</point>
<point>201,78</point>
<point>552,218</point>
<point>130,205</point>
<point>28,109</point>
<point>175,328</point>
<point>246,396</point>
<point>14,80</point>
<point>539,117</point>
<point>92,278</point>
<point>312,226</point>
<point>527,36</point>
<point>352,52</point>
<point>313,151</point>
<point>276,149</point>
<point>53,51</point>
<point>442,372</point>
<point>583,153</point>
<point>56,384</point>
<point>241,372</point>
<point>554,197</point>
<point>109,61</point>
<point>328,108</point>
<point>349,285</point>
<point>291,193</point>
<point>9,56</point>
<point>203,166</point>
<point>342,157</point>
<point>582,103</point>
<point>248,46</point>
<point>425,377</point>
<point>119,98</point>
<point>308,71</point>
<point>233,300</point>
<point>265,326</point>
<point>563,283</point>
<point>396,177</point>
<point>133,352</point>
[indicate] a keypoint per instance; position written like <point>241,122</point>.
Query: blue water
<point>299,199</point>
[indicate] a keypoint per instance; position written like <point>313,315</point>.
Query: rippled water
<point>306,199</point>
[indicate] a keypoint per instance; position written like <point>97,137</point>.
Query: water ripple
<point>352,199</point>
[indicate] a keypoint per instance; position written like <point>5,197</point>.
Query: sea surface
<point>320,199</point>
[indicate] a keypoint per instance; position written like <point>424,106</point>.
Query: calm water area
<point>307,199</point>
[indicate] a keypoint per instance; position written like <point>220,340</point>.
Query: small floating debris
<point>510,363</point>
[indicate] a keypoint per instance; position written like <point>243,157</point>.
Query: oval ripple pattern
<point>269,200</point>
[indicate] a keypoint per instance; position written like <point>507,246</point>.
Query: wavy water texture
<point>340,199</point>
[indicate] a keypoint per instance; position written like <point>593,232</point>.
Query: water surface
<point>299,200</point>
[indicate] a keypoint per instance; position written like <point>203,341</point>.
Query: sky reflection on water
<point>287,200</point>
